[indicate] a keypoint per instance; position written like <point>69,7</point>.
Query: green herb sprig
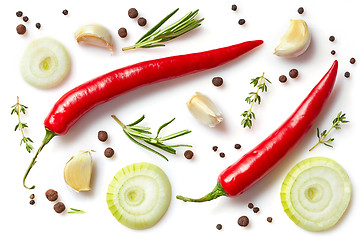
<point>260,84</point>
<point>133,132</point>
<point>18,109</point>
<point>155,36</point>
<point>74,210</point>
<point>340,118</point>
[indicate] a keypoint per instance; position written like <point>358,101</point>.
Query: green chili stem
<point>48,136</point>
<point>218,191</point>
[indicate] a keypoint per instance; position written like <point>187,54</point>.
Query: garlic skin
<point>204,110</point>
<point>295,41</point>
<point>94,34</point>
<point>78,169</point>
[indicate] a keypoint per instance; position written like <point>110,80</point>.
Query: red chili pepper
<point>78,101</point>
<point>254,165</point>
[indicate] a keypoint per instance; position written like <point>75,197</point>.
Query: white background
<point>266,20</point>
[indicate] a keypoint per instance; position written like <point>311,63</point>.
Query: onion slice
<point>315,193</point>
<point>139,195</point>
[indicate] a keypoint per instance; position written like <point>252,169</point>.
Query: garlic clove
<point>204,110</point>
<point>295,41</point>
<point>77,172</point>
<point>96,35</point>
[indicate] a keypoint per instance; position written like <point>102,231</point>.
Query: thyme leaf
<point>322,136</point>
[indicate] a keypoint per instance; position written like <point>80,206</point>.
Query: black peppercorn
<point>133,13</point>
<point>222,155</point>
<point>65,12</point>
<point>217,81</point>
<point>32,202</point>
<point>331,38</point>
<point>333,52</point>
<point>51,195</point>
<point>122,32</point>
<point>188,154</point>
<point>59,207</point>
<point>242,21</point>
<point>218,226</point>
<point>243,221</point>
<point>21,29</point>
<point>109,152</point>
<point>142,21</point>
<point>25,18</point>
<point>102,136</point>
<point>250,205</point>
<point>293,73</point>
<point>38,25</point>
<point>352,60</point>
<point>237,146</point>
<point>347,74</point>
<point>300,10</point>
<point>269,219</point>
<point>19,13</point>
<point>282,78</point>
<point>256,209</point>
<point>234,7</point>
<point>215,148</point>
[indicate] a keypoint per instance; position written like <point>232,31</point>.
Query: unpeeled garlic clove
<point>77,172</point>
<point>204,110</point>
<point>295,41</point>
<point>94,34</point>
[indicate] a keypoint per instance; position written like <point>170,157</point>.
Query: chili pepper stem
<point>218,191</point>
<point>48,136</point>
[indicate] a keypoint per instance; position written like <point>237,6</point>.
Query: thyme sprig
<point>18,109</point>
<point>155,36</point>
<point>254,97</point>
<point>133,132</point>
<point>340,118</point>
<point>74,210</point>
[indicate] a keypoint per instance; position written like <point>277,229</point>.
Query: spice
<point>242,21</point>
<point>133,13</point>
<point>301,10</point>
<point>331,38</point>
<point>333,52</point>
<point>38,25</point>
<point>217,81</point>
<point>215,148</point>
<point>243,221</point>
<point>293,73</point>
<point>251,205</point>
<point>188,154</point>
<point>282,78</point>
<point>59,207</point>
<point>25,18</point>
<point>32,202</point>
<point>218,226</point>
<point>222,155</point>
<point>109,152</point>
<point>347,74</point>
<point>19,13</point>
<point>234,7</point>
<point>21,29</point>
<point>65,12</point>
<point>256,209</point>
<point>32,196</point>
<point>237,146</point>
<point>352,60</point>
<point>51,195</point>
<point>102,136</point>
<point>269,219</point>
<point>122,32</point>
<point>142,21</point>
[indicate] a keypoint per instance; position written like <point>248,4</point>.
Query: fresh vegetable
<point>133,132</point>
<point>204,110</point>
<point>139,195</point>
<point>18,109</point>
<point>45,63</point>
<point>254,165</point>
<point>295,41</point>
<point>316,193</point>
<point>340,118</point>
<point>260,84</point>
<point>78,169</point>
<point>78,101</point>
<point>155,36</point>
<point>95,35</point>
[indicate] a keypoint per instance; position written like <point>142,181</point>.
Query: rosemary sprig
<point>133,132</point>
<point>260,84</point>
<point>18,109</point>
<point>74,210</point>
<point>155,36</point>
<point>340,118</point>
